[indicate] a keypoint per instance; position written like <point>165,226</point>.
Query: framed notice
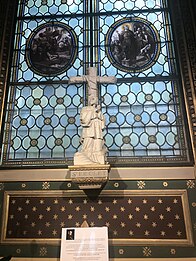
<point>84,244</point>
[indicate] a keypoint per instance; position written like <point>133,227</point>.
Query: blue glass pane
<point>136,125</point>
<point>56,7</point>
<point>42,121</point>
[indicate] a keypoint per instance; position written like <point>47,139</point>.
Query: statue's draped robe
<point>93,123</point>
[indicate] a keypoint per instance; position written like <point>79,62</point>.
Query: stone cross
<point>90,170</point>
<point>92,79</point>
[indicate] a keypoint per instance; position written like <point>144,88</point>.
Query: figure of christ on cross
<point>92,120</point>
<point>92,79</point>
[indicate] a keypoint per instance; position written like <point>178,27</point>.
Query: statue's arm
<point>103,123</point>
<point>102,119</point>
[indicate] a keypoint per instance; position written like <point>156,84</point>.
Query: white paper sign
<point>84,244</point>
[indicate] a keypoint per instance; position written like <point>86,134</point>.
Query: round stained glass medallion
<point>51,49</point>
<point>132,44</point>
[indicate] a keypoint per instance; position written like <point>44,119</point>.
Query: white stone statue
<point>92,121</point>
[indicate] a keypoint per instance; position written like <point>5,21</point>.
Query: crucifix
<point>90,168</point>
<point>92,79</point>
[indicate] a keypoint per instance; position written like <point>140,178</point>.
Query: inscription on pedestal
<point>88,177</point>
<point>89,174</point>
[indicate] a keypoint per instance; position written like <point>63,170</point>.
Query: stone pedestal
<point>89,176</point>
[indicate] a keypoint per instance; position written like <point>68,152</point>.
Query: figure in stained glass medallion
<point>132,44</point>
<point>51,49</point>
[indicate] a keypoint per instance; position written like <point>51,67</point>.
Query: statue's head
<point>93,101</point>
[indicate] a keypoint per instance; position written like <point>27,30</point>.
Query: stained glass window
<point>132,40</point>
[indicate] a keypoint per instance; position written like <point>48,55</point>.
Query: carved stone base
<point>89,176</point>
